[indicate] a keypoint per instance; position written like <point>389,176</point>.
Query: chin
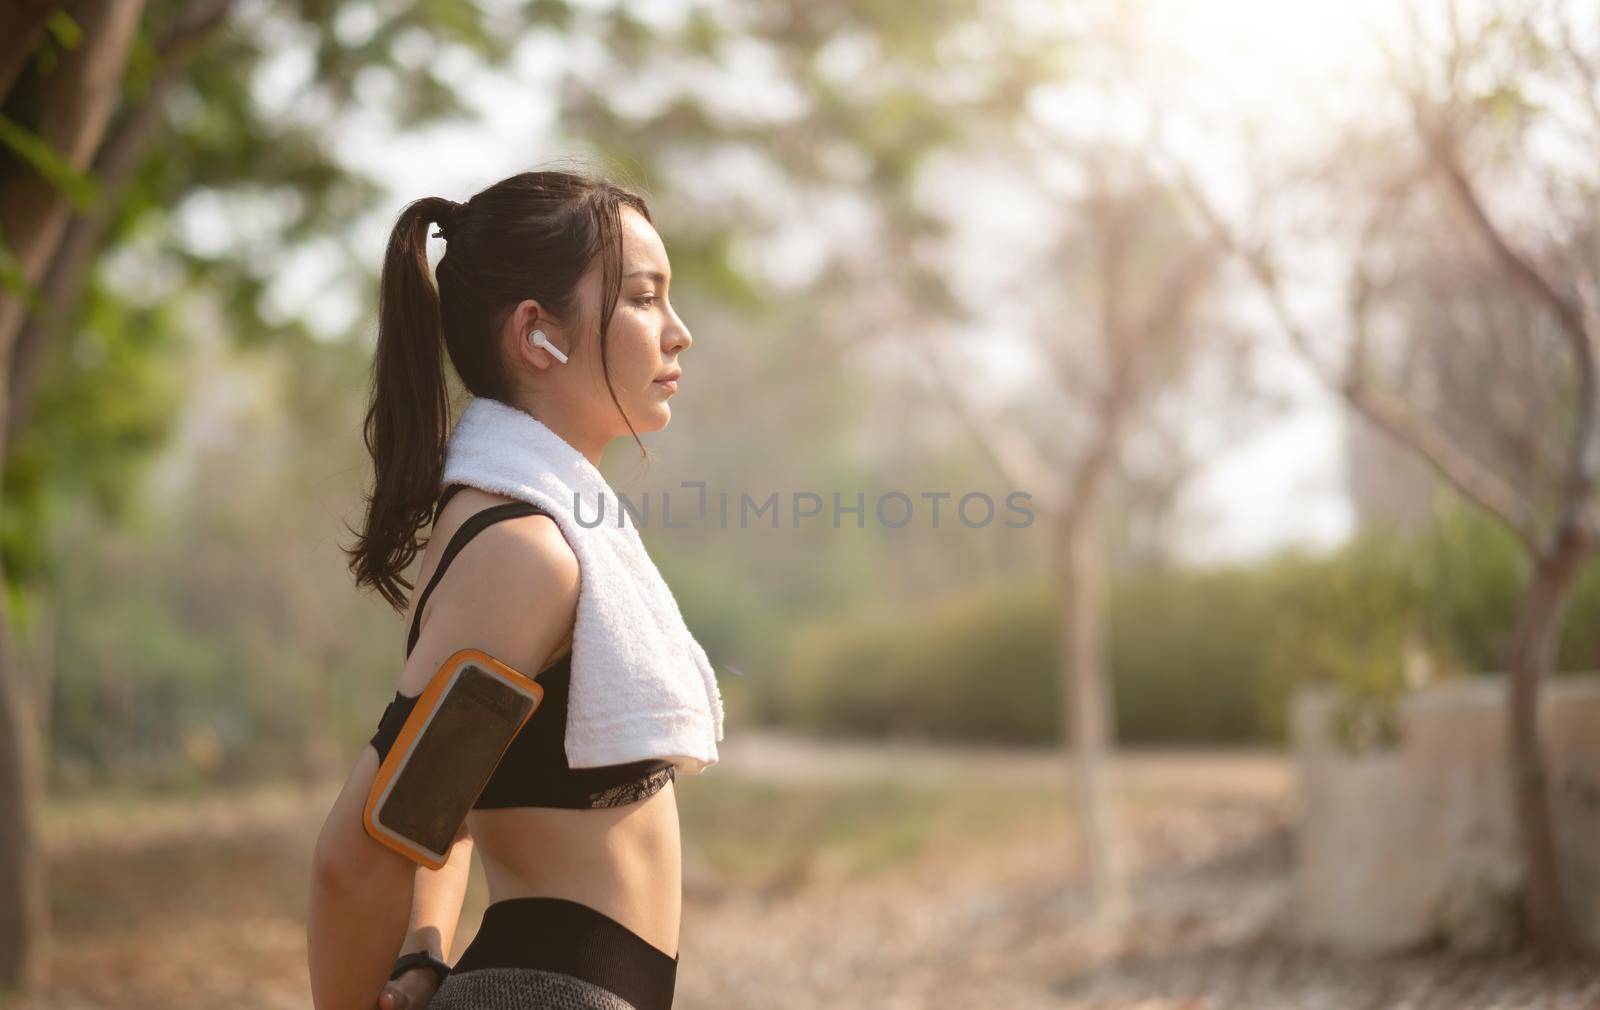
<point>656,418</point>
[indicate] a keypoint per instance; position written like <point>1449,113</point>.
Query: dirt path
<point>779,756</point>
<point>183,904</point>
<point>1004,924</point>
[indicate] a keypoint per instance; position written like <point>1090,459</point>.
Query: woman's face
<point>644,343</point>
<point>646,337</point>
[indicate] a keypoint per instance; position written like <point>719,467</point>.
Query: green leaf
<point>78,187</point>
<point>68,33</point>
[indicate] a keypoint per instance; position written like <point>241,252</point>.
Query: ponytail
<point>408,415</point>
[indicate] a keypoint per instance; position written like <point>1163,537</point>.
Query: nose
<point>677,337</point>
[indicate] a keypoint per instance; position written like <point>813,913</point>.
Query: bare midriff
<point>624,861</point>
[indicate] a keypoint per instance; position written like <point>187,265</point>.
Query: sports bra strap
<point>444,499</point>
<point>474,524</point>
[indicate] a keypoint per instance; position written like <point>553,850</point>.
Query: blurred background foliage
<point>235,662</point>
<point>1198,654</point>
<point>175,495</point>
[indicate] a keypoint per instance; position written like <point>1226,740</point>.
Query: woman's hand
<point>411,991</point>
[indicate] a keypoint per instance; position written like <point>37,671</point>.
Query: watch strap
<point>420,959</point>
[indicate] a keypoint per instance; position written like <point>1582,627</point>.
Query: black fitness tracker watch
<point>420,959</point>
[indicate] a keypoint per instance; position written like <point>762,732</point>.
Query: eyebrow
<point>655,275</point>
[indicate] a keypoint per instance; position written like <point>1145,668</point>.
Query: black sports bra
<point>534,771</point>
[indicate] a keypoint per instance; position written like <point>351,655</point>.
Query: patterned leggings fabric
<point>522,989</point>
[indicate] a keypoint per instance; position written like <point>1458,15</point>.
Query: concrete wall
<point>1417,843</point>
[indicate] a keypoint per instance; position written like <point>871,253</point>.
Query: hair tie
<point>447,220</point>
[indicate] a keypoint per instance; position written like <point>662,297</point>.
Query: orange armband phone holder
<point>446,752</point>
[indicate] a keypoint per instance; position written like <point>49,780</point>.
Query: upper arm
<point>512,592</point>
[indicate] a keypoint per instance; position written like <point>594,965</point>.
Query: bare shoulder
<point>530,547</point>
<point>527,553</point>
<point>512,591</point>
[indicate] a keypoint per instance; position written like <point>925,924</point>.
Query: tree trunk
<point>85,91</point>
<point>1087,717</point>
<point>1531,658</point>
<point>39,664</point>
<point>24,913</point>
<point>22,25</point>
<point>69,269</point>
<point>134,129</point>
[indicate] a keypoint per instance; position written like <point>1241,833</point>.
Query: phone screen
<point>452,758</point>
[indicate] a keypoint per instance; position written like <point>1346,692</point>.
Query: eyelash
<point>646,298</point>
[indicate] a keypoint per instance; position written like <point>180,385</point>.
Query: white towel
<point>641,685</point>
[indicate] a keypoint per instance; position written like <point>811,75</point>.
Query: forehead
<point>642,248</point>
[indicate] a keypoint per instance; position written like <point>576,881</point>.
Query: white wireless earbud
<point>540,340</point>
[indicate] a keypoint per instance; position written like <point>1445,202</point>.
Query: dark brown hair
<point>530,236</point>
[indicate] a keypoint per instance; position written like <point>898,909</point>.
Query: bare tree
<point>1472,332</point>
<point>1129,272</point>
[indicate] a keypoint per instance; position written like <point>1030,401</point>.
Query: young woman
<point>583,865</point>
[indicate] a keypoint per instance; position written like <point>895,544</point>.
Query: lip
<point>670,380</point>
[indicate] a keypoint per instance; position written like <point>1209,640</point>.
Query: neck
<point>591,444</point>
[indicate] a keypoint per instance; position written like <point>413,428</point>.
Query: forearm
<point>436,904</point>
<point>361,897</point>
<point>357,924</point>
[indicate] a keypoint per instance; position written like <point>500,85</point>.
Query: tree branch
<point>1412,428</point>
<point>1574,320</point>
<point>22,25</point>
<point>1448,459</point>
<point>1261,271</point>
<point>131,133</point>
<point>1007,445</point>
<point>1515,263</point>
<point>84,95</point>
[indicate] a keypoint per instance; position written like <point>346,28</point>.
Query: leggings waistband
<point>558,934</point>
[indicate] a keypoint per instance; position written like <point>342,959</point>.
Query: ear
<point>527,317</point>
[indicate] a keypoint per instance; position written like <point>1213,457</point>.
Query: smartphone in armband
<point>448,748</point>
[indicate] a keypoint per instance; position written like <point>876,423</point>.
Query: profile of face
<point>645,342</point>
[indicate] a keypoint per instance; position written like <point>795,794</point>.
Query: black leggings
<point>546,953</point>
